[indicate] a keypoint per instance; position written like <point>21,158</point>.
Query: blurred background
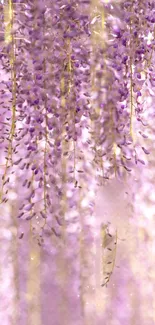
<point>36,287</point>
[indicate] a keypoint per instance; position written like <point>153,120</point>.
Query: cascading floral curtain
<point>77,86</point>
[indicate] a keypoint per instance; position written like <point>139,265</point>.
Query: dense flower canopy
<point>73,99</point>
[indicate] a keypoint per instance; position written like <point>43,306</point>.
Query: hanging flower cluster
<point>124,73</point>
<point>46,113</point>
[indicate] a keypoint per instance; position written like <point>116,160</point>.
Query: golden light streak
<point>82,253</point>
<point>8,21</point>
<point>9,38</point>
<point>33,285</point>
